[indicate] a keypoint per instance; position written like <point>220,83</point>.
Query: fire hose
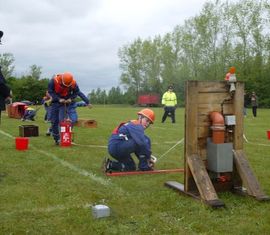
<point>248,142</point>
<point>155,159</point>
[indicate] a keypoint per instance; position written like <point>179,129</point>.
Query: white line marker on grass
<point>66,164</point>
<point>75,168</point>
<point>7,134</point>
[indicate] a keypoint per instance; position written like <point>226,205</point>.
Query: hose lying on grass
<point>247,141</point>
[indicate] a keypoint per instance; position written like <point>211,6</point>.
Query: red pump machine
<point>66,133</point>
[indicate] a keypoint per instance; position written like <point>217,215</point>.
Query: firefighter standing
<point>63,89</point>
<point>169,101</point>
<point>5,93</point>
<point>129,138</point>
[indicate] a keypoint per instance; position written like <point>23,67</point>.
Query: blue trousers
<point>58,113</point>
<point>121,150</point>
<point>47,116</point>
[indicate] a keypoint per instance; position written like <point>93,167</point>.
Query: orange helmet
<point>232,70</point>
<point>67,79</point>
<point>148,113</point>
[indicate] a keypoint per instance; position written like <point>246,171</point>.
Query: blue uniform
<point>58,110</point>
<point>29,114</point>
<point>129,138</point>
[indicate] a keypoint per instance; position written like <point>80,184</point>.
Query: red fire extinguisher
<point>65,133</point>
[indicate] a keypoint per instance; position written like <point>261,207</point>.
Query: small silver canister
<point>100,211</point>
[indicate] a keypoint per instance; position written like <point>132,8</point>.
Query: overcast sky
<point>84,36</point>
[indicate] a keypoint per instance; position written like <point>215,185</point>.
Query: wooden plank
<point>238,112</point>
<point>212,86</point>
<point>180,188</point>
<point>191,136</point>
<point>214,98</point>
<point>204,119</point>
<point>202,154</point>
<point>247,176</point>
<point>201,177</point>
<point>205,109</point>
<point>204,132</point>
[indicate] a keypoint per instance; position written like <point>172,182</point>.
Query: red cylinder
<point>65,133</point>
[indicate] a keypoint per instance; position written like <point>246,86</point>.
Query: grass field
<point>50,189</point>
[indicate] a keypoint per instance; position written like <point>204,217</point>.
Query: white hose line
<point>89,145</point>
<point>164,154</point>
<point>245,138</point>
<point>66,164</point>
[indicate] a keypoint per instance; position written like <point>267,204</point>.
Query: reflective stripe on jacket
<point>169,99</point>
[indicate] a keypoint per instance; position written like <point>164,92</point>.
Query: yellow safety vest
<point>169,99</point>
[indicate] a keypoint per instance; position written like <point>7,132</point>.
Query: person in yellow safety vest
<point>169,100</point>
<point>29,113</point>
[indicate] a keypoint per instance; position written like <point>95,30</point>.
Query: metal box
<point>230,120</point>
<point>28,130</point>
<point>219,157</point>
<point>100,211</point>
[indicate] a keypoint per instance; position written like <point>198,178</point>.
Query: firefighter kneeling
<point>128,138</point>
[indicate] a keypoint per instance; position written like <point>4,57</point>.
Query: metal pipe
<point>218,127</point>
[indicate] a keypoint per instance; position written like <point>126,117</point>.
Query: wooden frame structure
<point>202,98</point>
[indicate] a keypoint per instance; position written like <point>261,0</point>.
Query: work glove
<point>152,161</point>
<point>144,163</point>
<point>68,101</point>
<point>62,101</point>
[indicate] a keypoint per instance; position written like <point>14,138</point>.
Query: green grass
<point>48,189</point>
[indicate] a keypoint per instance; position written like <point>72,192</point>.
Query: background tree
<point>6,63</point>
<point>203,48</point>
<point>115,96</point>
<point>35,71</point>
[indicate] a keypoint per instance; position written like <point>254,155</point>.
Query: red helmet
<point>67,79</point>
<point>148,113</point>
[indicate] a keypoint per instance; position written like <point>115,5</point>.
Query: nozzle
<point>153,159</point>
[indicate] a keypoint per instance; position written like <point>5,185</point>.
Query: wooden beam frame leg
<point>203,182</point>
<point>247,176</point>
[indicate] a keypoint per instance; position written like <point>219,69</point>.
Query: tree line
<point>222,35</point>
<point>204,48</point>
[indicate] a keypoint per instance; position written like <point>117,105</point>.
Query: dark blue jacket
<point>132,130</point>
<point>4,91</point>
